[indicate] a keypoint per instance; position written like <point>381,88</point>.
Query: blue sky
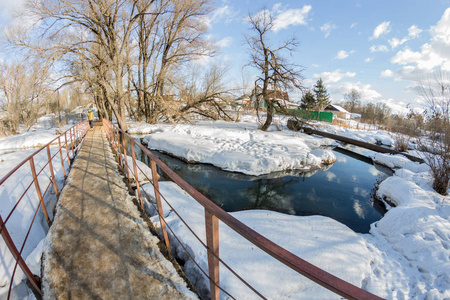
<point>381,48</point>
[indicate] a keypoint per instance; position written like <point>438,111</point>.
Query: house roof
<point>334,107</point>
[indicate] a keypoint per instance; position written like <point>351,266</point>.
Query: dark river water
<point>344,191</point>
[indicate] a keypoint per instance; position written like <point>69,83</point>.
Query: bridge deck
<point>98,246</point>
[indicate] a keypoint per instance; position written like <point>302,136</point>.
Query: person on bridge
<point>90,117</point>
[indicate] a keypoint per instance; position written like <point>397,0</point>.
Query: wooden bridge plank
<point>98,246</point>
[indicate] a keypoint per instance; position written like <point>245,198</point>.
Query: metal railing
<point>34,194</point>
<point>214,214</point>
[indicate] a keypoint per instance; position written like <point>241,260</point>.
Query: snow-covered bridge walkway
<point>98,246</point>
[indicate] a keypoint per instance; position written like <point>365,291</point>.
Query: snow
<point>21,219</point>
<point>143,171</point>
<point>373,136</point>
<point>406,255</point>
<point>399,161</point>
<point>320,240</point>
<point>27,139</point>
<point>241,148</point>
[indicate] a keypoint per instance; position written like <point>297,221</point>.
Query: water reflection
<point>343,191</point>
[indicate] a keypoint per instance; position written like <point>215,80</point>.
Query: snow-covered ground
<point>406,255</point>
<point>37,136</point>
<point>239,148</point>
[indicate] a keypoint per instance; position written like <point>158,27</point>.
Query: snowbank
<point>416,232</point>
<point>399,161</point>
<point>143,171</point>
<point>372,137</point>
<point>319,240</point>
<point>21,219</point>
<point>37,138</point>
<point>238,147</point>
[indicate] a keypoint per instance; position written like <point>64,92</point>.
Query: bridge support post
<point>212,242</point>
<point>136,178</point>
<point>50,164</point>
<point>61,157</point>
<point>159,205</point>
<point>38,191</point>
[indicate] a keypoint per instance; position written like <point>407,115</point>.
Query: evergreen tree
<point>322,97</point>
<point>308,101</point>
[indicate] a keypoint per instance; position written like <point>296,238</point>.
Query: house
<point>338,111</point>
<point>244,101</point>
<point>279,97</point>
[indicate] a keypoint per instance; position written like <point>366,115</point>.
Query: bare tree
<point>181,35</point>
<point>276,74</point>
<point>104,28</point>
<point>352,99</point>
<point>25,89</point>
<point>436,92</point>
<point>207,96</point>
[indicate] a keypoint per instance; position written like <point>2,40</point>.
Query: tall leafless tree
<point>25,88</point>
<point>104,26</point>
<point>276,74</point>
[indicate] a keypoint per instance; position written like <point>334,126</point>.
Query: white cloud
<point>327,28</point>
<point>353,25</point>
<point>330,77</point>
<point>414,31</point>
<point>432,55</point>
<point>366,91</point>
<point>225,42</point>
<point>406,56</point>
<point>441,32</point>
<point>381,29</point>
<point>343,54</point>
<point>9,7</point>
<point>398,107</point>
<point>395,42</point>
<point>387,73</point>
<point>368,60</point>
<point>379,48</point>
<point>225,13</point>
<point>289,17</point>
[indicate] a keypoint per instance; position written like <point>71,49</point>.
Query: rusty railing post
<point>125,157</point>
<point>38,191</point>
<point>119,153</point>
<point>67,149</point>
<point>15,253</point>
<point>117,141</point>
<point>212,242</point>
<point>50,164</point>
<point>158,204</point>
<point>136,178</point>
<point>61,156</point>
<point>71,142</point>
<point>75,136</point>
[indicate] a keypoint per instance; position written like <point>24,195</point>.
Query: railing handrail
<point>32,155</point>
<point>321,277</point>
<point>75,134</point>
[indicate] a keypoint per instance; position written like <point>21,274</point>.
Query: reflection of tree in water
<point>286,191</point>
<point>270,194</point>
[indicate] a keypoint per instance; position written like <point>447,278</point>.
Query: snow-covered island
<point>406,255</point>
